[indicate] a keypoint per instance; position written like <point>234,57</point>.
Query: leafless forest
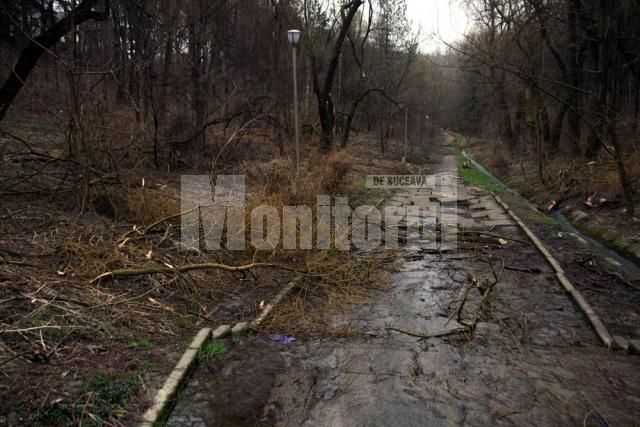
<point>105,104</point>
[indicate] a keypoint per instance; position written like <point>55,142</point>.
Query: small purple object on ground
<point>282,339</point>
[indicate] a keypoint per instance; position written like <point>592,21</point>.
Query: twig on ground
<point>534,270</point>
<point>497,236</point>
<point>463,299</point>
<point>441,334</point>
<point>12,358</point>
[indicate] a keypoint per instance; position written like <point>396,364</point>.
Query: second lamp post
<point>294,39</point>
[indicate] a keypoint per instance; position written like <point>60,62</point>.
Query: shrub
<point>337,167</point>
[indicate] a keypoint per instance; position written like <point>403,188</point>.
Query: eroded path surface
<point>531,359</point>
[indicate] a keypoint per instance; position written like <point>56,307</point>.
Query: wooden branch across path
<point>497,236</point>
<point>592,317</point>
<point>422,336</point>
<point>128,272</point>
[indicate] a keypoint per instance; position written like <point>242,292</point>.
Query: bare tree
<point>323,84</point>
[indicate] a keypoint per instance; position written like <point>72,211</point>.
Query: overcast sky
<point>438,21</point>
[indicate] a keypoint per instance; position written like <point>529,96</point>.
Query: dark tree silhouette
<point>38,45</point>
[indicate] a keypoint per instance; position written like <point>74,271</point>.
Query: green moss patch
<point>473,176</point>
<point>212,349</point>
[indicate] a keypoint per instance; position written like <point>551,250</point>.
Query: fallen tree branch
<point>206,125</point>
<point>126,272</point>
<point>12,358</point>
<point>483,300</point>
<point>484,293</point>
<point>497,236</point>
<point>465,293</point>
<point>142,233</point>
<point>441,334</point>
<point>534,270</point>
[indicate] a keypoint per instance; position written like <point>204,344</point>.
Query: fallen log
<point>129,272</point>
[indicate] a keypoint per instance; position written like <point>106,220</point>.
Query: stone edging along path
<point>593,318</point>
<point>180,373</point>
<point>615,342</point>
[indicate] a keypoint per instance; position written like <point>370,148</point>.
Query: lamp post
<point>294,39</point>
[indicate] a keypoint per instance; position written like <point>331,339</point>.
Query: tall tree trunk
<point>606,107</point>
<point>498,81</point>
<point>354,107</point>
<point>600,108</point>
<point>576,59</point>
<point>323,93</point>
<point>196,56</point>
<point>166,70</point>
<point>636,105</point>
<point>555,127</point>
<point>613,85</point>
<point>507,128</point>
<point>543,122</point>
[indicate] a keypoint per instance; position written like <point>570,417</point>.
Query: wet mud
<point>482,335</point>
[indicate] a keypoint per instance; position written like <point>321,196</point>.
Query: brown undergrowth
<point>337,283</point>
<point>568,181</point>
<point>103,347</point>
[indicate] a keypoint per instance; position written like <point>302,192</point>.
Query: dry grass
<point>339,283</point>
<point>564,174</point>
<point>334,172</point>
<point>53,320</point>
<point>135,203</point>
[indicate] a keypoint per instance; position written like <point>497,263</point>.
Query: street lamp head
<point>294,36</point>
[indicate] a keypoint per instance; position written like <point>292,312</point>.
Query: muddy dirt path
<point>531,359</point>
